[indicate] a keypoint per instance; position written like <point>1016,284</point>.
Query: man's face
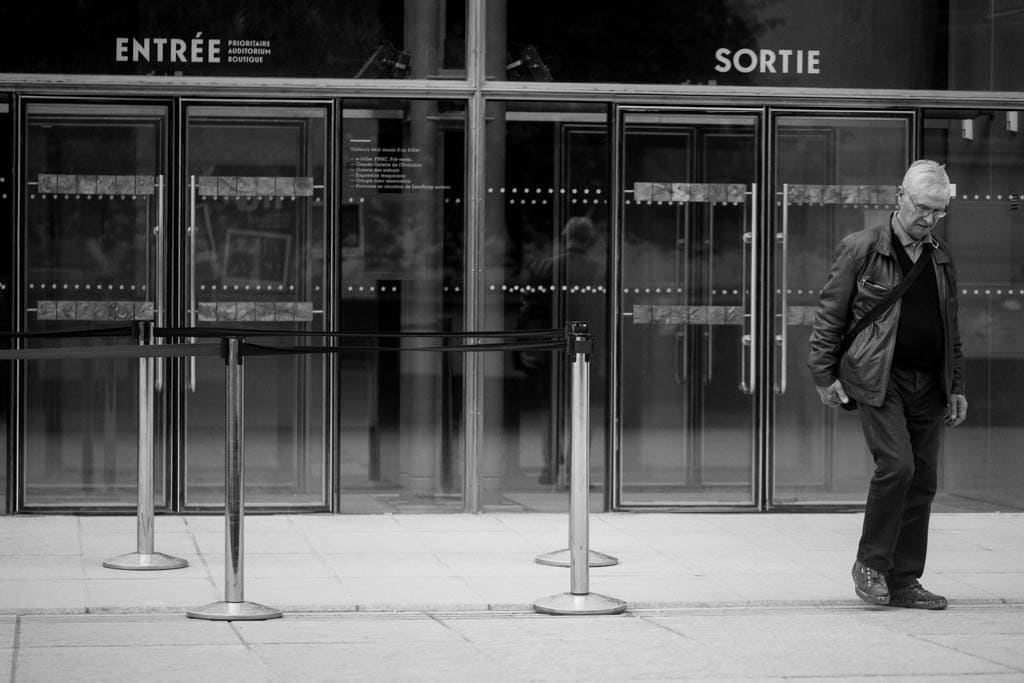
<point>920,212</point>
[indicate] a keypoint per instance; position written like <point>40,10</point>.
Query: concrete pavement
<point>430,597</point>
<point>833,643</point>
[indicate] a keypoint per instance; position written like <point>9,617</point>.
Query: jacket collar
<point>883,243</point>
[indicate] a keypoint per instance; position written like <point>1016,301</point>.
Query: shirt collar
<point>905,240</point>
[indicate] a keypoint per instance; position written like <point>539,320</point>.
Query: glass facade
<point>546,244</point>
<point>675,175</point>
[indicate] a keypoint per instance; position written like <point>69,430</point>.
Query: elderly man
<point>904,371</point>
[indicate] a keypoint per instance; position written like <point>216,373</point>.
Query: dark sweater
<point>919,344</point>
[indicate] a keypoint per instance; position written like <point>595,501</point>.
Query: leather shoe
<point>870,584</point>
<point>915,596</point>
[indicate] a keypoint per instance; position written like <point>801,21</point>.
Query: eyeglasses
<point>936,214</point>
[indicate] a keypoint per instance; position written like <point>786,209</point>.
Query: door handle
<point>158,289</point>
<point>709,284</point>
<point>748,380</point>
<point>682,365</point>
<point>191,235</point>
<point>682,376</point>
<point>782,337</point>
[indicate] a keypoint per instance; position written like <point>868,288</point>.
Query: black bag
<point>881,307</point>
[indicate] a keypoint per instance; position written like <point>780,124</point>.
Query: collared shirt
<point>910,245</point>
<point>915,248</point>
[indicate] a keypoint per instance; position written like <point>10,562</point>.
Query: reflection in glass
<point>546,237</point>
<point>93,179</point>
<point>401,192</point>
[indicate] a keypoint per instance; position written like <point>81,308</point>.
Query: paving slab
<point>468,563</point>
<point>107,545</point>
<point>34,595</point>
<point>367,627</point>
<point>414,661</point>
<point>428,593</point>
<point>611,648</point>
<point>306,594</point>
<point>31,541</point>
<point>48,525</point>
<point>374,564</point>
<point>1007,652</point>
<point>151,663</point>
<point>328,523</point>
<point>820,643</point>
<point>105,630</point>
<point>274,565</point>
<point>8,629</point>
<point>340,541</point>
<point>130,594</point>
<point>1007,586</point>
<point>27,567</point>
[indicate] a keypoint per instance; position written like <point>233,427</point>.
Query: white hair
<point>928,177</point>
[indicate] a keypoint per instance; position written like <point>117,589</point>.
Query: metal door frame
<point>179,286</point>
<point>170,407</point>
<point>16,426</point>
<point>757,351</point>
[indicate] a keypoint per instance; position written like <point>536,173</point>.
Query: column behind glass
<point>402,216</point>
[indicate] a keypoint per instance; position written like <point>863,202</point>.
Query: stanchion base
<point>560,558</point>
<point>234,611</point>
<point>588,603</point>
<point>145,562</point>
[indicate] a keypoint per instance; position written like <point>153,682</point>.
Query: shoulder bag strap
<point>884,304</point>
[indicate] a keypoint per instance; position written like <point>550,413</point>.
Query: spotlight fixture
<point>387,61</point>
<point>529,66</point>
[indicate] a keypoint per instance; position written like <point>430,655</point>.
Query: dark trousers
<point>904,436</point>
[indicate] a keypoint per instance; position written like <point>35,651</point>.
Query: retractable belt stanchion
<point>579,599</point>
<point>234,607</point>
<point>561,558</point>
<point>145,558</point>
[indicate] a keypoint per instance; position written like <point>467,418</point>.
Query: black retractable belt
<point>880,308</point>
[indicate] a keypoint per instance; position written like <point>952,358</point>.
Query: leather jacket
<point>864,270</point>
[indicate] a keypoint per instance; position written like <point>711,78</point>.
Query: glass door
<point>93,196</point>
<point>686,363</point>
<point>834,174</point>
<point>254,235</point>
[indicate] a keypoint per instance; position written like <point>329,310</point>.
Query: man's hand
<point>956,410</point>
<point>834,394</point>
